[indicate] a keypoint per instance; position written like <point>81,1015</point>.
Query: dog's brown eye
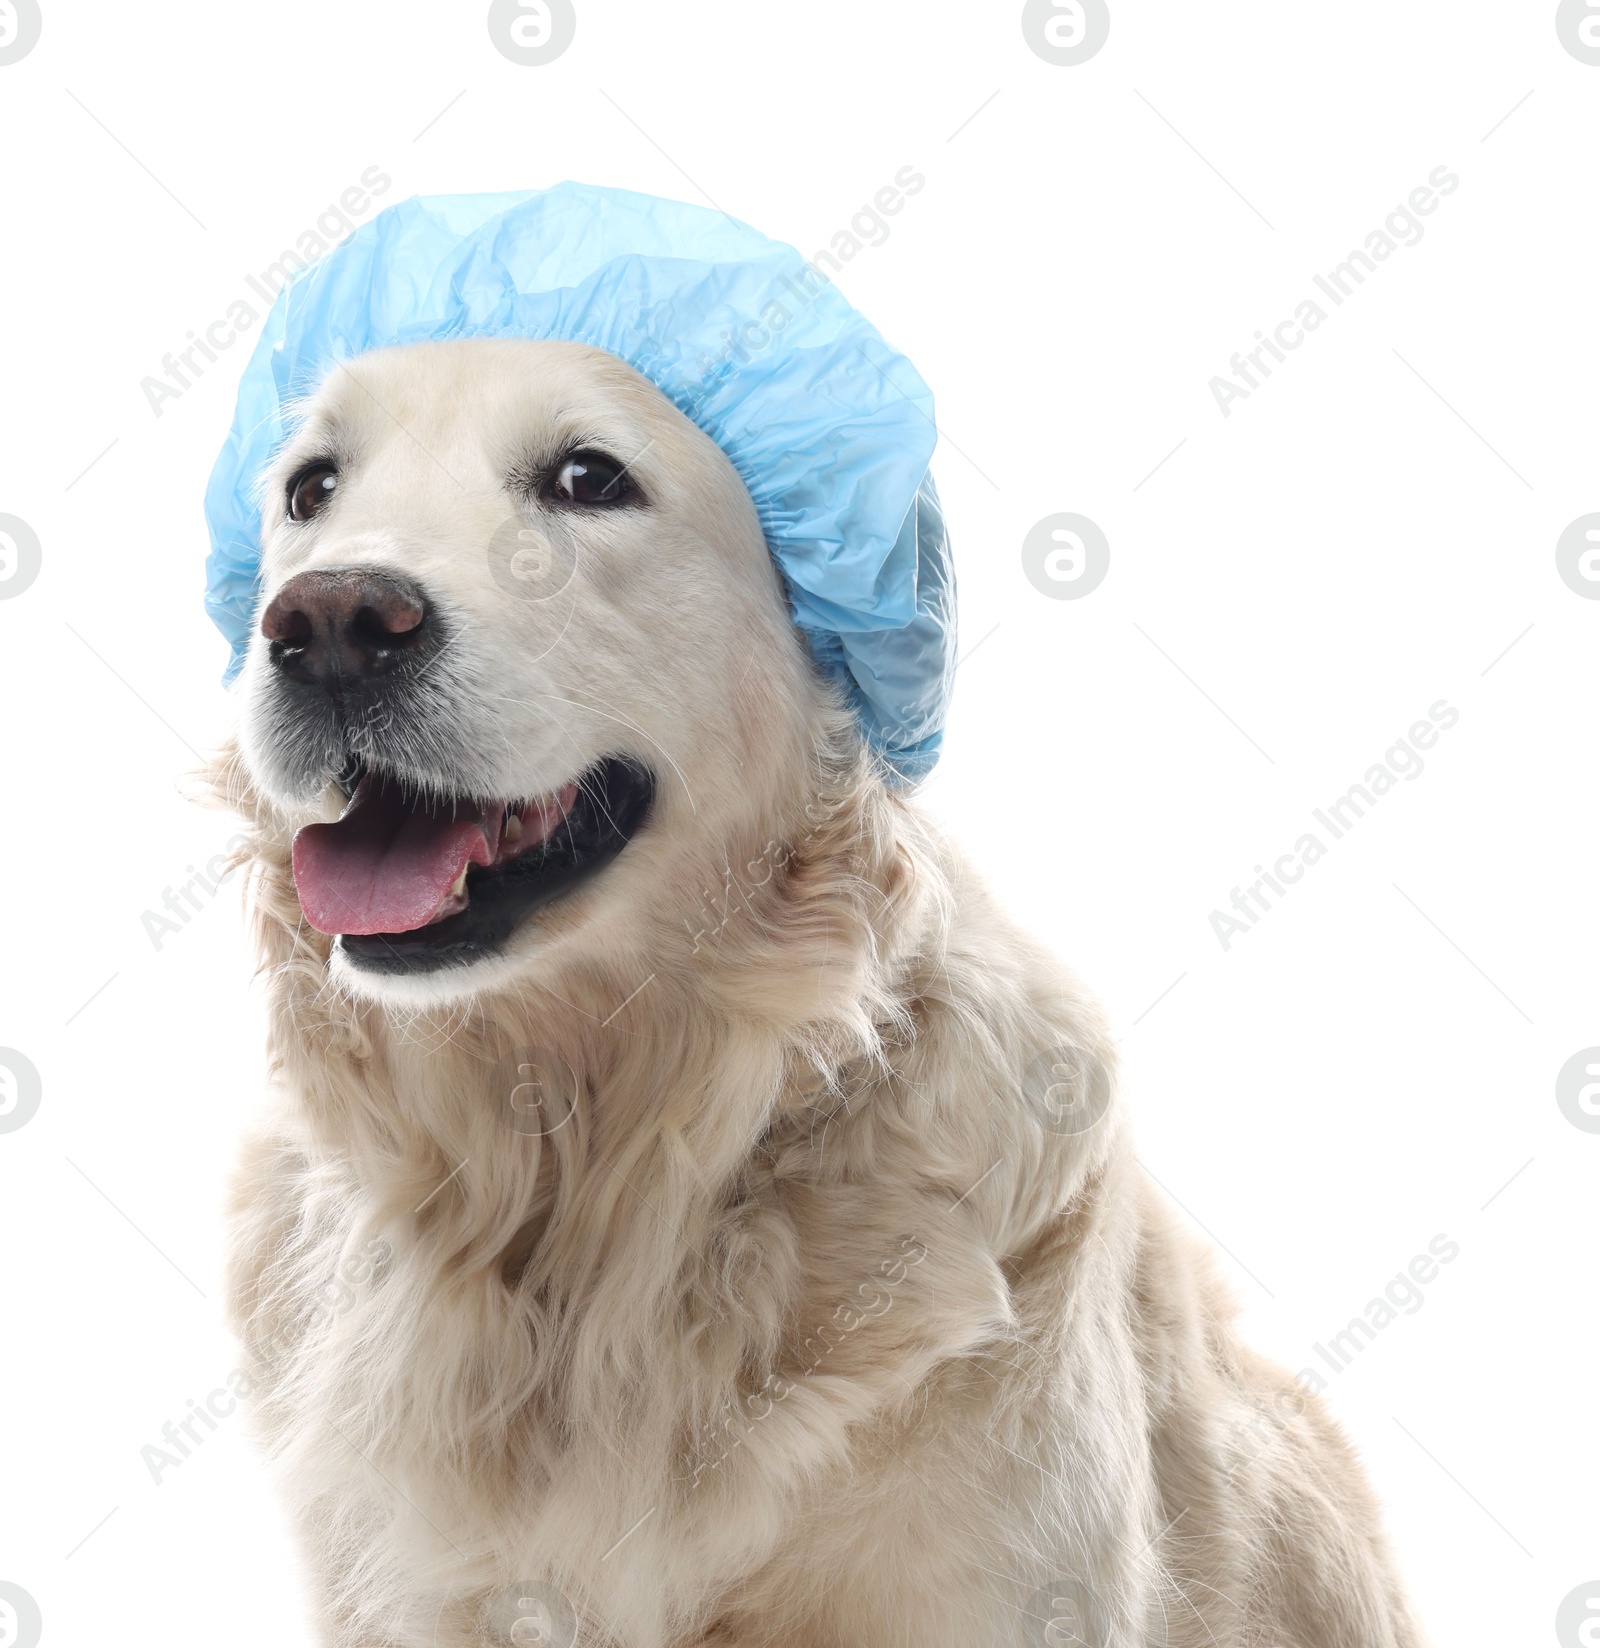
<point>311,489</point>
<point>591,478</point>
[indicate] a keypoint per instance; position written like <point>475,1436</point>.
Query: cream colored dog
<point>689,1212</point>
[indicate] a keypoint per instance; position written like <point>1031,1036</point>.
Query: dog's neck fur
<point>654,1218</point>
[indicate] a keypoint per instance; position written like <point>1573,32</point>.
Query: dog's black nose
<point>349,624</point>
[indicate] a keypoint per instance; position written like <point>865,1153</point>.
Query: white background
<point>1367,534</point>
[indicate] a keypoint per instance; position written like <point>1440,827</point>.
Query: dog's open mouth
<point>411,883</point>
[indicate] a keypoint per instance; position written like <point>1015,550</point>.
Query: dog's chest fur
<point>485,1355</point>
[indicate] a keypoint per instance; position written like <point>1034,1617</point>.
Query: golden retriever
<point>688,1211</point>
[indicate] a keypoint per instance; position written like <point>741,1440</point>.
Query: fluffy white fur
<point>802,1330</point>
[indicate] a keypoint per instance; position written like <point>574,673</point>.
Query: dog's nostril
<point>332,626</point>
<point>292,626</point>
<point>381,623</point>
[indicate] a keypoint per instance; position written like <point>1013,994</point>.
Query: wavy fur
<point>797,1327</point>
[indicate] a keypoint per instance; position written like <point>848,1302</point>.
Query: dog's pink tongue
<point>388,864</point>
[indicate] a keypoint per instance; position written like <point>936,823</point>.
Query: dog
<point>687,1211</point>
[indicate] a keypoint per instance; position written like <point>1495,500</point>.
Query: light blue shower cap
<point>830,429</point>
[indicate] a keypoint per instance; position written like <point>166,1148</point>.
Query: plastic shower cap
<point>830,429</point>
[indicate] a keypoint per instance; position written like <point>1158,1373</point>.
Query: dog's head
<point>522,661</point>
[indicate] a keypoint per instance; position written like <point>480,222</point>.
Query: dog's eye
<point>590,478</point>
<point>311,489</point>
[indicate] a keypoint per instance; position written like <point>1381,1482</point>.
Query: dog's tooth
<point>459,885</point>
<point>513,829</point>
